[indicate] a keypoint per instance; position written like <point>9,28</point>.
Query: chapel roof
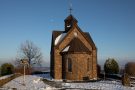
<point>76,45</point>
<point>86,34</point>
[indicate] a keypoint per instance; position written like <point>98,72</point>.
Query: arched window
<point>69,65</point>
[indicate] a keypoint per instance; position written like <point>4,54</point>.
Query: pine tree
<point>111,66</point>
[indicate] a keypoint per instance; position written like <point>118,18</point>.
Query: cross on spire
<point>70,10</point>
<point>70,7</point>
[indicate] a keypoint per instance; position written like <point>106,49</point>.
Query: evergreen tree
<point>111,66</point>
<point>7,69</point>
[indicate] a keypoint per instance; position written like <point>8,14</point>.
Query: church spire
<point>70,21</point>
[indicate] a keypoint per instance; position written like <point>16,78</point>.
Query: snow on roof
<point>59,38</point>
<point>66,49</point>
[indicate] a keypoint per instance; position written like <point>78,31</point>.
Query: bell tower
<point>70,21</point>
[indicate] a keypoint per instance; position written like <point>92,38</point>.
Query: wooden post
<point>24,62</point>
<point>24,76</point>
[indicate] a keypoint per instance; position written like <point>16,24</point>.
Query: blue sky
<point>111,24</point>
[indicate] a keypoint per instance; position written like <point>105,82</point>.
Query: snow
<point>132,77</point>
<point>100,85</point>
<point>66,49</point>
<point>34,82</point>
<point>31,83</point>
<point>59,38</point>
<point>4,77</point>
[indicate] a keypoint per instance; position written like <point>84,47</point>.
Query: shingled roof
<point>86,34</point>
<point>56,34</point>
<point>88,37</point>
<point>76,46</point>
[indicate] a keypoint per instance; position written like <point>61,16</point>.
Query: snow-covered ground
<point>100,85</point>
<point>31,83</point>
<point>34,82</point>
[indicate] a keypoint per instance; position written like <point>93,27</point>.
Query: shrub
<point>7,69</point>
<point>111,66</point>
<point>125,80</point>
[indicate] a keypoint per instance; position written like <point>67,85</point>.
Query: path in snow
<point>31,83</point>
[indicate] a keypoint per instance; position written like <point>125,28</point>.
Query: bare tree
<point>30,51</point>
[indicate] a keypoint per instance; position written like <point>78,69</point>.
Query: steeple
<point>70,21</point>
